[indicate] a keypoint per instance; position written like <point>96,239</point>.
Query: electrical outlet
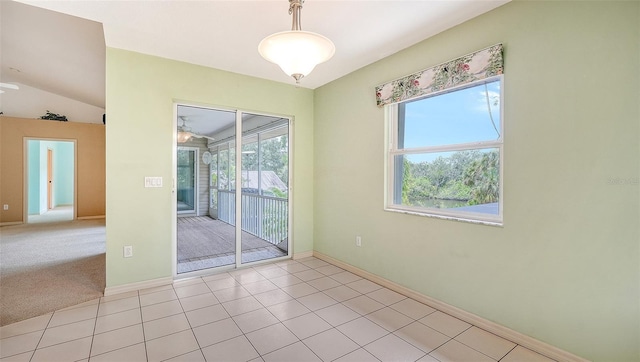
<point>128,251</point>
<point>6,206</point>
<point>358,241</point>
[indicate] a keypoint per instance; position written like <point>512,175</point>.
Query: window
<point>445,153</point>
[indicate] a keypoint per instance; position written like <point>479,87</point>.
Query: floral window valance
<point>482,64</point>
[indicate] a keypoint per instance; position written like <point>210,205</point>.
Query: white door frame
<point>238,180</point>
<point>25,167</point>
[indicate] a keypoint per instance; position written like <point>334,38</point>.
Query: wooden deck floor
<point>205,243</point>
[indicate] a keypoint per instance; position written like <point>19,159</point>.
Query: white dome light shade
<point>297,52</point>
<point>184,136</point>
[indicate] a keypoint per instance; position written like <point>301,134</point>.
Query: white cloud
<point>494,101</point>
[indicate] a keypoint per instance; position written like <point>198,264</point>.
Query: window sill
<point>446,217</point>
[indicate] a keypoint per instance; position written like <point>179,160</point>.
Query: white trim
<point>91,217</point>
<point>174,201</point>
<point>472,219</point>
<point>290,196</point>
<point>446,148</point>
<point>75,180</point>
<point>302,255</point>
<point>497,329</point>
<point>446,214</point>
<point>137,286</point>
<point>260,262</point>
<point>237,143</point>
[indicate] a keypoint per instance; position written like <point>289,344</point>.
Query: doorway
<point>237,164</point>
<point>50,180</point>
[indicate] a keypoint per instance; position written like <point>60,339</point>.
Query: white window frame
<point>391,137</point>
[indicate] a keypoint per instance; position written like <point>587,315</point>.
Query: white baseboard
<point>90,217</point>
<point>504,332</point>
<point>302,255</point>
<point>11,223</point>
<point>137,286</point>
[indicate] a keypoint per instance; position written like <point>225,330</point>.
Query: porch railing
<point>263,216</point>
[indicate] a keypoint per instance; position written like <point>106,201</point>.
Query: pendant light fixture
<point>297,52</point>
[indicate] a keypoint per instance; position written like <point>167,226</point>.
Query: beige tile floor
<point>304,310</point>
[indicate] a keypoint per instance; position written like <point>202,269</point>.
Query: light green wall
<point>565,266</point>
<point>141,91</point>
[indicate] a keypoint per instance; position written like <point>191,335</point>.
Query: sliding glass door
<point>243,162</point>
<point>187,179</point>
<point>265,187</point>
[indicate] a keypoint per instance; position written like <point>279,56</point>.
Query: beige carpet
<point>45,267</point>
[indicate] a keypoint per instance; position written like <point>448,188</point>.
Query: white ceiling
<point>225,34</point>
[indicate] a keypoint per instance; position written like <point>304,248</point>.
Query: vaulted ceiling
<point>54,52</point>
<point>59,46</point>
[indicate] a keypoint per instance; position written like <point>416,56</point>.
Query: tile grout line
<point>365,316</point>
<point>310,311</point>
<point>332,326</point>
<point>188,321</point>
<point>281,322</point>
<point>471,326</point>
<point>418,321</point>
<point>41,336</point>
<point>56,344</point>
<point>95,324</point>
<point>144,338</point>
<point>511,350</point>
<point>243,333</point>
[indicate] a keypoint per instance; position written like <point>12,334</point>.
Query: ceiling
<point>53,52</point>
<point>219,124</point>
<point>65,54</point>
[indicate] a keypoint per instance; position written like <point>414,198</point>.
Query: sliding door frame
<point>238,183</point>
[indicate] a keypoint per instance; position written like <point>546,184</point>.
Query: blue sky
<point>456,117</point>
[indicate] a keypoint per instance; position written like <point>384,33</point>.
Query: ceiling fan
<point>185,133</point>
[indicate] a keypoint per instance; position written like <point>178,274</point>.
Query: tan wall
<point>90,140</point>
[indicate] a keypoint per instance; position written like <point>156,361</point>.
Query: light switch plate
<point>152,181</point>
